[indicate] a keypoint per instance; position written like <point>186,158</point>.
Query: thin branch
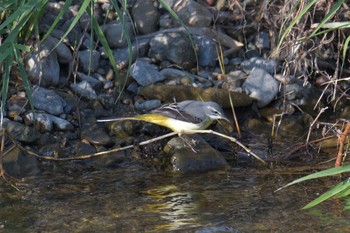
<point>82,157</point>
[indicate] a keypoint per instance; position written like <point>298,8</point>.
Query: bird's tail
<point>118,119</point>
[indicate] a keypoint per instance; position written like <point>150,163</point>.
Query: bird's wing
<point>172,110</point>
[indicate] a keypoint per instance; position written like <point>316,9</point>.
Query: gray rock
<point>303,94</point>
<point>70,100</point>
<point>261,86</point>
<point>41,121</point>
<point>115,34</point>
<point>108,84</point>
<point>166,21</point>
<point>174,47</point>
<point>75,34</point>
<point>95,135</point>
<point>133,88</point>
<point>64,55</point>
<point>207,54</point>
<point>21,132</point>
<point>47,100</point>
<point>169,3</point>
<point>42,65</point>
<point>147,105</point>
<point>84,60</point>
<point>84,89</point>
<point>61,124</point>
<point>139,49</point>
<point>95,84</point>
<point>185,160</point>
<point>268,65</point>
<point>234,80</point>
<point>263,40</point>
<point>145,73</point>
<point>146,16</point>
<point>193,14</point>
<point>44,122</point>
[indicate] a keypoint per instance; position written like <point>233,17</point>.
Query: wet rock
<point>303,94</point>
<point>78,148</point>
<point>17,163</point>
<point>292,126</point>
<point>145,73</point>
<point>21,132</point>
<point>122,56</point>
<point>47,100</point>
<point>147,105</point>
<point>221,229</point>
<point>207,52</point>
<point>174,47</point>
<point>84,60</point>
<point>180,93</point>
<point>193,14</point>
<point>116,34</point>
<point>263,40</point>
<point>185,160</point>
<point>51,150</point>
<point>146,16</point>
<point>268,65</point>
<point>84,89</point>
<point>261,86</point>
<point>95,84</point>
<point>42,65</point>
<point>95,135</point>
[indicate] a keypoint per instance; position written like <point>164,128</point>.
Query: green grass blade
<point>328,172</point>
<point>22,47</point>
<point>80,13</point>
<point>97,29</point>
<point>345,48</point>
<point>295,21</point>
<point>5,81</point>
<point>330,14</point>
<point>330,193</point>
<point>173,14</point>
<point>127,37</point>
<point>23,74</point>
<point>64,9</point>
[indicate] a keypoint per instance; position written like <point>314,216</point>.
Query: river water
<point>131,197</point>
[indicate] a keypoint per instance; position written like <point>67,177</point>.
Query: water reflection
<point>177,207</point>
<point>132,198</point>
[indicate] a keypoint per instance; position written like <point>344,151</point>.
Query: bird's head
<point>214,111</point>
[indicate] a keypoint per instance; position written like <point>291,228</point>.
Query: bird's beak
<point>226,124</point>
<point>225,119</point>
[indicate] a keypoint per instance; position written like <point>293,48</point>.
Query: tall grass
<point>20,24</point>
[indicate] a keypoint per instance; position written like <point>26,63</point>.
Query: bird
<point>181,116</point>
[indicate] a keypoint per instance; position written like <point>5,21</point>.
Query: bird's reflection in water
<point>177,208</point>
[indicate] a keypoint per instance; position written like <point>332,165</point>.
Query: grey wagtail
<point>181,116</point>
